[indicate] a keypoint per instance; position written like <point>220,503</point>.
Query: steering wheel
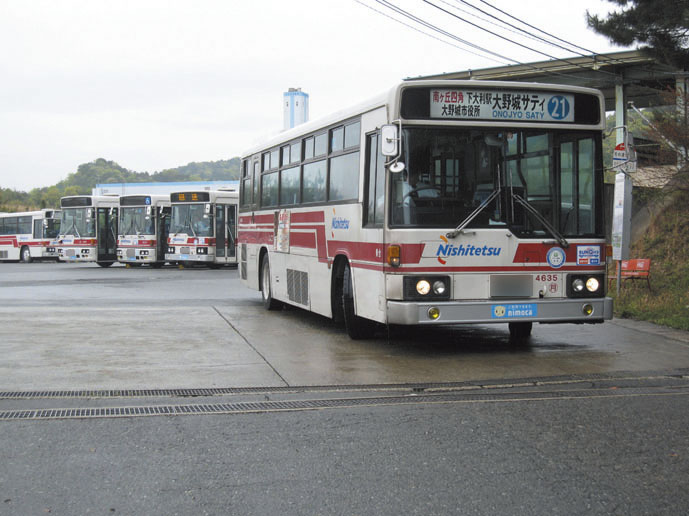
<point>421,188</point>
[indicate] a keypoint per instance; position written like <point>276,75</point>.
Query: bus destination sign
<point>507,105</point>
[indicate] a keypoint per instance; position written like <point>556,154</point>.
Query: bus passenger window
<point>321,144</point>
<point>337,139</point>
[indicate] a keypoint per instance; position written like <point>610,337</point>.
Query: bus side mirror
<point>389,144</point>
<point>208,208</point>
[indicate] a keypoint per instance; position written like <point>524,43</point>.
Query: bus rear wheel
<point>25,254</point>
<point>266,291</point>
<point>357,327</point>
<point>105,264</point>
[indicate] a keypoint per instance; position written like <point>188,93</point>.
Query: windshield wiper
<point>73,227</point>
<point>533,211</point>
<point>473,214</point>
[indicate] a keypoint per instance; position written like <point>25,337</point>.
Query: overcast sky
<point>158,84</point>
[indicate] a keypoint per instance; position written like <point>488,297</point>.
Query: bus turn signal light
<point>394,253</point>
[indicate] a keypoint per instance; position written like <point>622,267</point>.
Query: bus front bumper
<point>508,311</point>
<point>202,258</point>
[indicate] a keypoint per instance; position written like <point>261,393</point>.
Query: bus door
<point>220,237</point>
<point>107,234</point>
<point>231,230</point>
<point>163,230</point>
<point>225,231</point>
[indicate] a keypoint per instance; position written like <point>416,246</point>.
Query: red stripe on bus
<point>536,253</point>
<point>307,216</point>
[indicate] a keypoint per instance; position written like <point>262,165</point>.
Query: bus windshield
<point>135,221</point>
<point>76,222</point>
<point>52,228</point>
<point>535,183</point>
<point>191,219</point>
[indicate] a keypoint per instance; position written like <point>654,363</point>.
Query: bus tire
<point>25,254</point>
<point>357,327</point>
<point>520,330</point>
<point>105,264</point>
<point>266,290</point>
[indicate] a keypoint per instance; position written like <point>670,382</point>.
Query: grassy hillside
<point>666,243</point>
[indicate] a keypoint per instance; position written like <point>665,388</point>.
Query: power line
<point>426,24</point>
<point>508,39</point>
<point>434,28</point>
<point>588,52</point>
<point>536,28</point>
<point>474,15</point>
<point>427,34</point>
<point>524,32</point>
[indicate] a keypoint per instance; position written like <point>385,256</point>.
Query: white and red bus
<point>203,227</point>
<point>143,229</point>
<point>28,235</point>
<point>88,229</point>
<point>439,202</point>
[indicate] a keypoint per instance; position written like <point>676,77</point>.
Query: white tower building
<point>296,107</point>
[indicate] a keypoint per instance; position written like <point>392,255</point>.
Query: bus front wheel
<point>105,264</point>
<point>357,327</point>
<point>266,291</point>
<point>25,254</point>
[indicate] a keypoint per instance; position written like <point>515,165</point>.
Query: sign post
<point>622,206</point>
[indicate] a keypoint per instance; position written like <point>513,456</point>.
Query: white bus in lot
<point>143,229</point>
<point>88,229</point>
<point>203,227</point>
<point>439,202</point>
<point>28,235</point>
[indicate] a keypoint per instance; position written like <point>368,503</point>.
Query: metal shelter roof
<point>642,76</point>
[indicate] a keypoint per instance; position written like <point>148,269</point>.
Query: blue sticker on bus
<point>514,311</point>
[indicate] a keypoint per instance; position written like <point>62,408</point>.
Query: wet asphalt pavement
<point>140,391</point>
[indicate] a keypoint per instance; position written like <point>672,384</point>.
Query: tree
<point>661,26</point>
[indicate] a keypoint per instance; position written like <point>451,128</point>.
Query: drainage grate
<point>299,405</point>
<point>677,375</point>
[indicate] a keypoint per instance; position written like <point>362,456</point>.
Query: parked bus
<point>88,229</point>
<point>440,202</point>
<point>28,235</point>
<point>143,229</point>
<point>203,227</point>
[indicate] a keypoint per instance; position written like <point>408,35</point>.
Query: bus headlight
<point>426,287</point>
<point>423,287</point>
<point>439,287</point>
<point>592,284</point>
<point>585,285</point>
